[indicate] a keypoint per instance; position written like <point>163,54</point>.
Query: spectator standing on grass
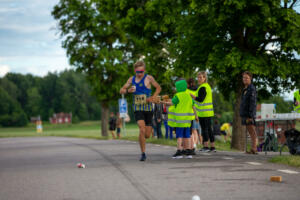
<point>112,124</point>
<point>205,111</point>
<point>248,109</point>
<point>119,125</point>
<point>182,113</point>
<point>216,128</point>
<point>154,125</point>
<point>165,120</point>
<point>157,115</point>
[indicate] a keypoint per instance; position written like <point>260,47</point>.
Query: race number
<point>140,99</point>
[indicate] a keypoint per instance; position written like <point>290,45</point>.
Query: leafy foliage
<point>67,91</point>
<point>11,113</point>
<point>223,37</point>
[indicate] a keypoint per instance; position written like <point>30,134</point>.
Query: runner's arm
<point>123,89</point>
<point>156,85</point>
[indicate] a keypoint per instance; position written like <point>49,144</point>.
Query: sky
<point>29,40</point>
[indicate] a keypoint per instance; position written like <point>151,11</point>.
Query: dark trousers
<point>166,129</point>
<point>158,130</point>
<point>205,123</point>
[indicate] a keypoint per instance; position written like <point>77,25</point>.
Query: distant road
<point>45,169</point>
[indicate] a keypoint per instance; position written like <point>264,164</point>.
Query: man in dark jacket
<point>248,109</point>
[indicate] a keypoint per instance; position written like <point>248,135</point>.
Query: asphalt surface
<point>46,169</point>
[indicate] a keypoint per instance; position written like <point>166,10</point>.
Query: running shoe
<point>193,152</point>
<point>178,155</point>
<point>143,157</point>
<point>213,149</point>
<point>188,154</point>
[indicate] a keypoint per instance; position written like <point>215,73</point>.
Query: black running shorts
<point>144,115</point>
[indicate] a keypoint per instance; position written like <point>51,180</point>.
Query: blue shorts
<point>183,132</point>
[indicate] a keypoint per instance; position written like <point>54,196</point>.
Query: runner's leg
<point>142,139</point>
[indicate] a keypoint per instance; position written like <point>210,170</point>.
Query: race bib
<point>140,99</point>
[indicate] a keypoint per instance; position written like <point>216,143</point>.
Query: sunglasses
<point>139,72</point>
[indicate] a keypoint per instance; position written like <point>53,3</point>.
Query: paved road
<point>45,169</point>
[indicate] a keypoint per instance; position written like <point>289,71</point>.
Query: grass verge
<point>289,160</point>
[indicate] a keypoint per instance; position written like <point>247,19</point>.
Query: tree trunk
<point>104,118</point>
<point>238,131</point>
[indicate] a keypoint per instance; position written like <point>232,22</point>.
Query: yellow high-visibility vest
<point>171,116</point>
<point>205,108</point>
<point>183,112</point>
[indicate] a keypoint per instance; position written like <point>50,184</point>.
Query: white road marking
<point>157,145</point>
<point>228,158</point>
<point>253,163</point>
<point>206,154</point>
<point>288,171</point>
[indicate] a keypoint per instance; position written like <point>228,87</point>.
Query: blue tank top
<point>141,89</point>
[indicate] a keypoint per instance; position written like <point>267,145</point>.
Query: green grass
<point>88,129</point>
<point>287,160</point>
<point>91,129</point>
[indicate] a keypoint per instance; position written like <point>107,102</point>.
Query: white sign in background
<point>123,107</point>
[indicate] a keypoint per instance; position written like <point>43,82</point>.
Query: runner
<point>142,102</point>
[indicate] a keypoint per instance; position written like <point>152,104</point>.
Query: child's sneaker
<point>193,152</point>
<point>213,149</point>
<point>177,155</point>
<point>188,154</point>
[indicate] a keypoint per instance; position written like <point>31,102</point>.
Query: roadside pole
<point>123,111</point>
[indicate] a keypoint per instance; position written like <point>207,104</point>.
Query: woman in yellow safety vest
<point>205,111</point>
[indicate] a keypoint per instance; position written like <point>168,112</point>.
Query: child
<point>184,112</point>
<point>112,124</point>
<point>119,125</point>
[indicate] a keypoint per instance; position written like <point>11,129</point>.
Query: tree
<point>11,113</point>
<point>48,91</point>
<point>238,35</point>
<point>10,87</point>
<point>33,106</point>
<point>223,37</point>
<point>229,37</point>
<point>93,41</point>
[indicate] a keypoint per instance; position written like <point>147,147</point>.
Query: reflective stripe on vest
<point>171,116</point>
<point>297,97</point>
<point>205,108</point>
<point>181,121</point>
<point>182,114</point>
